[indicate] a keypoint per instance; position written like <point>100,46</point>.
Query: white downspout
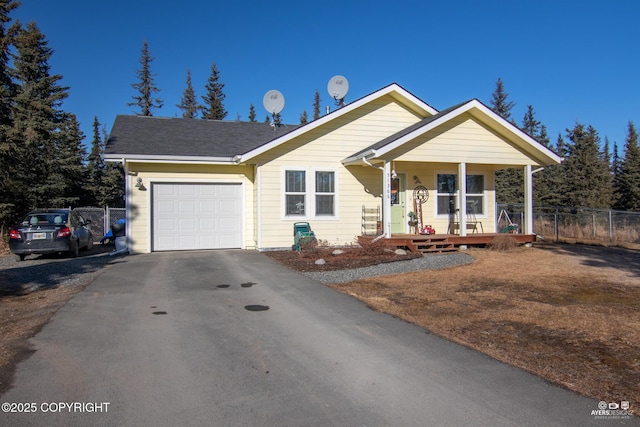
<point>386,200</point>
<point>127,204</point>
<point>257,184</point>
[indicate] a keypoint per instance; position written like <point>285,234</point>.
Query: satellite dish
<point>273,101</point>
<point>338,87</point>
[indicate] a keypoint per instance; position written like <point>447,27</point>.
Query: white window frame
<point>285,193</point>
<point>456,193</point>
<point>309,194</point>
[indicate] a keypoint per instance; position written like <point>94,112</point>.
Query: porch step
<point>427,244</point>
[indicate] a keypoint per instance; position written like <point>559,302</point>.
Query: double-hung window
<point>295,193</point>
<point>310,194</point>
<point>475,194</point>
<point>325,193</point>
<point>447,197</point>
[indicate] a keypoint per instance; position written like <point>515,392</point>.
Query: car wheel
<point>20,257</point>
<point>73,250</point>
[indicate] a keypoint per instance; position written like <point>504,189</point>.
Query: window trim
<point>309,194</point>
<point>286,193</point>
<point>484,194</point>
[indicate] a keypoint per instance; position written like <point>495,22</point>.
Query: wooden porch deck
<point>429,243</point>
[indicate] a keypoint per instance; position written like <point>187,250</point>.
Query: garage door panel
<point>196,216</point>
<point>205,206</point>
<point>187,189</point>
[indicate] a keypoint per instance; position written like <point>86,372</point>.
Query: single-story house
<point>207,184</point>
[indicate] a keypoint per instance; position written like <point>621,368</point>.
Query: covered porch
<point>441,172</point>
<point>438,243</point>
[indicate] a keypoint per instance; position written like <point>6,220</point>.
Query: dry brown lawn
<point>568,313</point>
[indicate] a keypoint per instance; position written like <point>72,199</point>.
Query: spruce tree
<point>530,124</point>
<point>189,103</point>
<point>213,108</point>
<point>316,105</point>
<point>304,119</point>
<point>588,182</point>
<point>95,165</point>
<point>509,182</point>
<point>628,179</point>
<point>543,137</point>
<point>112,191</point>
<point>36,116</point>
<point>67,177</point>
<point>9,159</point>
<point>499,103</point>
<point>145,87</point>
<point>252,113</point>
<point>549,184</point>
<point>615,171</point>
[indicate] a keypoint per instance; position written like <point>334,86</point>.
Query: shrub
<point>503,242</point>
<point>370,246</point>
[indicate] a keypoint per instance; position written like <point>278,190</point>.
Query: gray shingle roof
<point>157,136</point>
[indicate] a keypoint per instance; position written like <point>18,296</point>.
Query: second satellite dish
<point>338,87</point>
<point>273,101</point>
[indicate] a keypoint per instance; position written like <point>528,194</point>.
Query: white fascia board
<point>140,158</point>
<point>394,90</point>
<point>535,145</point>
<point>410,97</point>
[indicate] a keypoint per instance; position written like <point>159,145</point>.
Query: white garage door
<point>196,216</point>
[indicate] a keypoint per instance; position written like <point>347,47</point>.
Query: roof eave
<point>358,158</point>
<point>144,158</point>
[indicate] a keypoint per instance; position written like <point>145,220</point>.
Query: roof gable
<point>395,91</point>
<point>478,111</point>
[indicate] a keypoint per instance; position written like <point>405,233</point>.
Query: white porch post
<point>462,197</point>
<point>528,200</point>
<point>386,199</point>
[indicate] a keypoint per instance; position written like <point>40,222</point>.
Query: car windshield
<point>48,218</point>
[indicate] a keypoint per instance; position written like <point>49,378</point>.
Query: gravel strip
<point>427,262</point>
<point>39,272</point>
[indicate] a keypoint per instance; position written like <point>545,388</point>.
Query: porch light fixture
<point>139,185</point>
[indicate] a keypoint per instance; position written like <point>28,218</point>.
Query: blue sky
<point>571,60</point>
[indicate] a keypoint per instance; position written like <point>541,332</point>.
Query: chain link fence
<point>559,222</point>
<point>101,219</point>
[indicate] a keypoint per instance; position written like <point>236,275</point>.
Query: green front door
<point>398,213</point>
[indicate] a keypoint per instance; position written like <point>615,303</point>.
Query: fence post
<point>555,225</point>
<point>610,226</point>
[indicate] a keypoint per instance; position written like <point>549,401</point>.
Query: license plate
<point>39,236</point>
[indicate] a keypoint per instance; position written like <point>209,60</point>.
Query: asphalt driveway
<point>230,338</point>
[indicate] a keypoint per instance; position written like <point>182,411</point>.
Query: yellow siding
<point>139,203</point>
<point>462,140</point>
<point>265,226</point>
<point>323,149</point>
